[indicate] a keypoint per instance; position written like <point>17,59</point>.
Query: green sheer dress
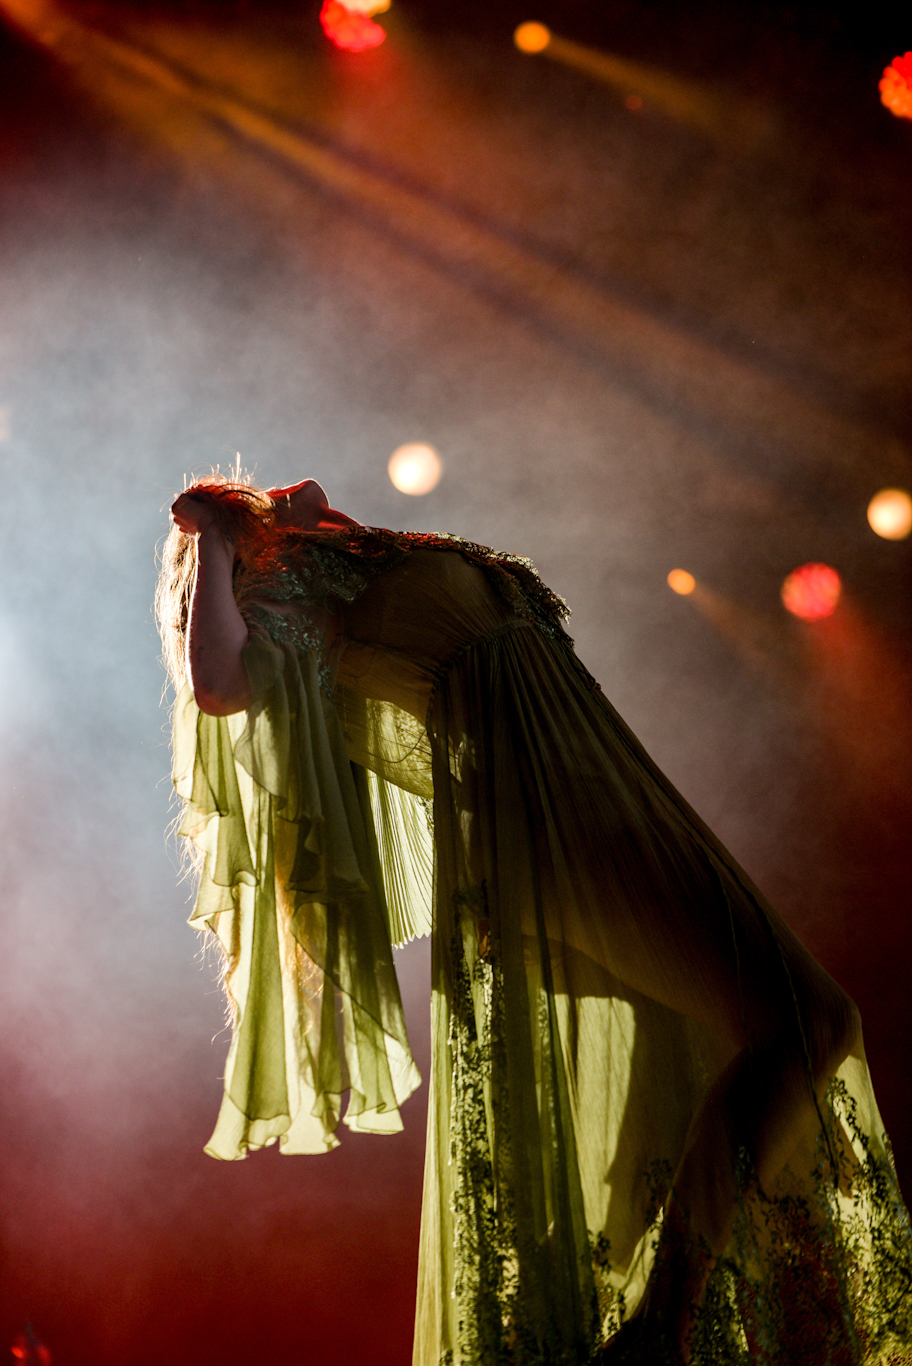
<point>614,1005</point>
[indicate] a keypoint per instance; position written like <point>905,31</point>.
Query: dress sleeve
<point>289,886</point>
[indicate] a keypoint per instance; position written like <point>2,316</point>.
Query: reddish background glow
<point>812,592</point>
<point>222,233</point>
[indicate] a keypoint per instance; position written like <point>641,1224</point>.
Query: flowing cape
<point>600,965</point>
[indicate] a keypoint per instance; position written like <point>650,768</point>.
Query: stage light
<point>890,514</point>
<point>415,468</point>
<point>679,581</point>
<point>350,27</point>
<point>532,37</point>
<point>27,1349</point>
<point>896,87</point>
<point>812,592</point>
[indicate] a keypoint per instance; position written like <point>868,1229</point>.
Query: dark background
<point>640,338</point>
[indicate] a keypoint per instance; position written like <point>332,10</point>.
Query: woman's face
<point>299,504</point>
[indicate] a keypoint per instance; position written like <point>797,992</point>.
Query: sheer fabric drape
<point>613,1002</point>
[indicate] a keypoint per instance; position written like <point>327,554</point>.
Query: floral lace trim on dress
<point>823,1278</point>
<point>323,569</point>
<point>498,1268</point>
<point>300,632</point>
<point>486,1287</point>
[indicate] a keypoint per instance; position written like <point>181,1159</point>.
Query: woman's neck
<point>331,520</point>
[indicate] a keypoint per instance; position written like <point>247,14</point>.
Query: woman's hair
<point>244,512</point>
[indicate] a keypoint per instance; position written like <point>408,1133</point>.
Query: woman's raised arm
<point>216,631</point>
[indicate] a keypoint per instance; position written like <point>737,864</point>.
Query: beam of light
<point>864,696</point>
<point>350,26</point>
<point>679,581</point>
<point>757,637</point>
<point>812,592</point>
<point>890,514</point>
<point>415,468</point>
<point>162,97</point>
<point>896,87</point>
<point>687,102</point>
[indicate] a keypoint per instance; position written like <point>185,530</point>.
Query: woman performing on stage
<point>652,1137</point>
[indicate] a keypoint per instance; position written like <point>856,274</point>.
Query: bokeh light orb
<point>890,514</point>
<point>532,37</point>
<point>679,581</point>
<point>812,591</point>
<point>896,87</point>
<point>415,468</point>
<point>351,30</point>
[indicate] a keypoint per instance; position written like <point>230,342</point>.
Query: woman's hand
<point>193,515</point>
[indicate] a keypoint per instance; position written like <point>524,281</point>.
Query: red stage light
<point>896,87</point>
<point>812,592</point>
<point>350,29</point>
<point>27,1349</point>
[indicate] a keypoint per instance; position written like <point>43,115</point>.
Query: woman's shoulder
<point>324,565</point>
<point>514,577</point>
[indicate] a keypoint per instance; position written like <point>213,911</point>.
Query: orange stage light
<point>890,514</point>
<point>532,37</point>
<point>896,87</point>
<point>812,592</point>
<point>350,29</point>
<point>679,581</point>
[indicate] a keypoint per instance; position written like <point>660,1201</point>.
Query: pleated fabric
<point>616,1010</point>
<point>291,887</point>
